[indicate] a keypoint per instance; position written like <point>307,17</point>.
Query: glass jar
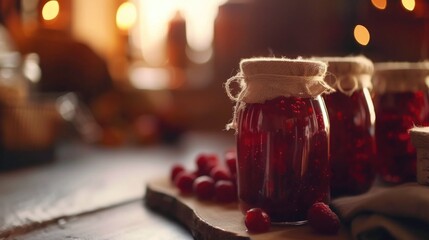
<point>401,102</point>
<point>282,133</point>
<point>352,119</point>
<point>13,85</point>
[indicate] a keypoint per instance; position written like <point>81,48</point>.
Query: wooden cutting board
<point>208,220</point>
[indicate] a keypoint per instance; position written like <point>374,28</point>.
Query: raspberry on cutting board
<point>322,219</point>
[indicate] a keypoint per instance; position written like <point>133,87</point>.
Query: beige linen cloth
<point>398,212</point>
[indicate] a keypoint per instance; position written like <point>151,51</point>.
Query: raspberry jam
<point>352,120</point>
<point>401,99</point>
<point>282,157</point>
<point>397,112</point>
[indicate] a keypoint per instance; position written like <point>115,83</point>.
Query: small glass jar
<point>13,85</point>
<point>401,101</point>
<point>352,119</point>
<point>282,137</point>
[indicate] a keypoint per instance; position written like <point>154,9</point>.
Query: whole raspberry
<point>257,221</point>
<point>205,162</point>
<point>220,173</point>
<point>322,219</point>
<point>231,161</point>
<point>225,191</point>
<point>204,187</point>
<point>184,182</point>
<point>175,170</point>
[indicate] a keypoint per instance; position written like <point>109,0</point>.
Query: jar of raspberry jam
<point>352,119</point>
<point>282,133</point>
<point>401,102</point>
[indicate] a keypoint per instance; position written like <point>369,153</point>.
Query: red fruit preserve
<point>401,102</point>
<point>352,120</point>
<point>282,138</point>
<point>282,154</point>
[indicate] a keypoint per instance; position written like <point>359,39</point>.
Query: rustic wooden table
<point>97,193</point>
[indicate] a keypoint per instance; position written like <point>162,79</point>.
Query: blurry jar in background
<point>13,85</point>
<point>282,133</point>
<point>352,120</point>
<point>28,128</point>
<point>401,102</point>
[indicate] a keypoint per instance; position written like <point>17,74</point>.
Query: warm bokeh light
<point>92,24</point>
<point>149,35</point>
<point>380,4</point>
<point>361,35</point>
<point>200,30</point>
<point>409,4</point>
<point>150,78</point>
<point>126,16</point>
<point>50,10</point>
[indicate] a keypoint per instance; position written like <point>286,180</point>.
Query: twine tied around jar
<point>348,84</point>
<point>348,74</point>
<point>262,79</point>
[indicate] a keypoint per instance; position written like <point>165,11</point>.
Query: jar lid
<point>348,74</point>
<point>401,76</point>
<point>262,79</point>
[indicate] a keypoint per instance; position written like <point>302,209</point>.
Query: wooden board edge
<point>172,207</point>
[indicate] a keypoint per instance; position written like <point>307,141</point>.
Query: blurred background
<point>147,71</point>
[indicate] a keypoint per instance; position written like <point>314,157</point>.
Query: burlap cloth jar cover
<point>348,74</point>
<point>401,77</point>
<point>262,79</point>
